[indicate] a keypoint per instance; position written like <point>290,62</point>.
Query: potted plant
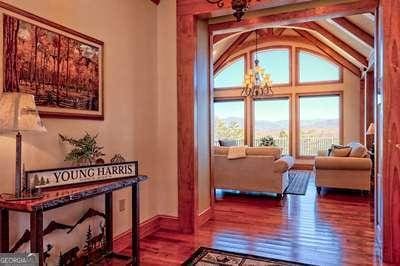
<point>267,141</point>
<point>85,150</point>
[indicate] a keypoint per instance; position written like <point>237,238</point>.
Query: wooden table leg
<point>135,225</point>
<point>109,229</point>
<point>4,231</point>
<point>109,222</point>
<point>37,234</point>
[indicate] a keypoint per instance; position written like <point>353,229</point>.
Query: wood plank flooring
<point>335,228</point>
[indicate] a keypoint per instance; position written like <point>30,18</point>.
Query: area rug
<point>298,182</point>
<point>209,256</point>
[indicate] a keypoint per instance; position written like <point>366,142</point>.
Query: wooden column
<point>4,230</point>
<point>369,106</point>
<point>187,135</point>
<point>36,225</point>
<point>362,111</point>
<point>389,161</point>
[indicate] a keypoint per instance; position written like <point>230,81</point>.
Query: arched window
<point>314,68</point>
<point>232,75</point>
<point>276,62</point>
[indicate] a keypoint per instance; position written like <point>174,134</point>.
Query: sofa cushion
<point>265,151</point>
<point>236,152</point>
<point>340,151</point>
<point>283,164</point>
<point>221,150</point>
<point>358,150</point>
<point>342,163</point>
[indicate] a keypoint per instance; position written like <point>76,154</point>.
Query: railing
<point>309,146</point>
<point>231,142</point>
<point>282,142</point>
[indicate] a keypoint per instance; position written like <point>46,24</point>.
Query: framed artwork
<point>62,68</point>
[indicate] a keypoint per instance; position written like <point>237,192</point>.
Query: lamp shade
<point>371,129</point>
<point>18,113</point>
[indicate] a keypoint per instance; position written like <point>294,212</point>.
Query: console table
<point>62,196</point>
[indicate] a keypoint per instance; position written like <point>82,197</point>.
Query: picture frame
<point>61,67</point>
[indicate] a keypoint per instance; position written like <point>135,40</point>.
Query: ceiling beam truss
<point>221,60</point>
<point>330,52</point>
<point>336,40</point>
<point>355,30</point>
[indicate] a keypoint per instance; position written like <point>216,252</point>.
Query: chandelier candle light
<point>18,114</point>
<point>256,81</point>
<point>239,7</point>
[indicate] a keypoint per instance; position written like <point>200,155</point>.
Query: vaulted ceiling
<point>349,40</point>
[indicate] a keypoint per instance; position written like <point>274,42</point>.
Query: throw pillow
<point>358,150</point>
<point>227,143</point>
<point>340,151</point>
<point>236,152</point>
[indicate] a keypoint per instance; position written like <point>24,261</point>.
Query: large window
<point>276,62</point>
<point>229,122</point>
<point>232,75</point>
<point>314,68</point>
<point>272,119</point>
<point>319,123</point>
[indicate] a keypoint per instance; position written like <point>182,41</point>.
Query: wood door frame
<point>388,131</point>
<point>188,13</point>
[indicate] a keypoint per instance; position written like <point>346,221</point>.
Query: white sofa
<point>262,170</point>
<point>350,172</point>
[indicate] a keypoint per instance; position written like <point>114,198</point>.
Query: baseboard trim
<point>169,222</point>
<point>147,228</point>
<point>205,216</point>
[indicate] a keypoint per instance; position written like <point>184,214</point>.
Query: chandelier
<point>239,7</point>
<point>256,81</point>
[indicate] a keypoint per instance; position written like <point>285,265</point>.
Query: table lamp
<point>371,129</point>
<point>18,114</point>
<point>371,132</point>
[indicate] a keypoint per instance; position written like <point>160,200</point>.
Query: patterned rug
<point>298,182</point>
<point>208,256</point>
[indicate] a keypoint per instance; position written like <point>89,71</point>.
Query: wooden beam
<point>355,30</point>
<point>220,61</point>
<point>299,16</point>
<point>337,41</point>
<point>187,150</point>
<point>268,39</point>
<point>279,31</point>
<point>330,52</point>
<point>264,40</point>
<point>388,126</point>
<point>204,8</point>
<point>217,38</point>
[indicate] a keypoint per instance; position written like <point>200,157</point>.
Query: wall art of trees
<point>59,71</point>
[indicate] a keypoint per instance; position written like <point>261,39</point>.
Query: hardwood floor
<point>335,228</point>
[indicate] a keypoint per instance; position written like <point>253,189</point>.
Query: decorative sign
<point>68,176</point>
